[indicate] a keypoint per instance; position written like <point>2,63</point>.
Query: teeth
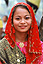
<point>22,26</point>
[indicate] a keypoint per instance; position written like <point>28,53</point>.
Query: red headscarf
<point>34,45</point>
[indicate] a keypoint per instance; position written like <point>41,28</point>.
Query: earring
<point>12,25</point>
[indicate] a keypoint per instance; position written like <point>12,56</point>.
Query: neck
<point>20,37</point>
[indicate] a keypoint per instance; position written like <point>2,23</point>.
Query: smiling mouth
<point>22,27</point>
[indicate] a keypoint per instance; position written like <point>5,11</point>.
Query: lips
<point>22,27</point>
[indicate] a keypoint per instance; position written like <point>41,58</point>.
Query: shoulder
<point>41,44</point>
<point>3,43</point>
<point>40,59</point>
<point>3,46</point>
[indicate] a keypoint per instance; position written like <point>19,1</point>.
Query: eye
<point>17,18</point>
<point>27,17</point>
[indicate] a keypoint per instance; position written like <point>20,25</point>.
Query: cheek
<point>29,22</point>
<point>15,23</point>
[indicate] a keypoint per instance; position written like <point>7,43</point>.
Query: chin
<point>23,31</point>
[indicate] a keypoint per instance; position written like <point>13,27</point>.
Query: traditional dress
<point>12,52</point>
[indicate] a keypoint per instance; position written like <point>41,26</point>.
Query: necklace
<point>21,45</point>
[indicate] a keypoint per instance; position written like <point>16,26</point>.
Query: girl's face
<point>21,20</point>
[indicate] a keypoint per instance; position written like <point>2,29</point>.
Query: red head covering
<point>34,45</point>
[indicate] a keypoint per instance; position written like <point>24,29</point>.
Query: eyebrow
<point>20,16</point>
<point>27,15</point>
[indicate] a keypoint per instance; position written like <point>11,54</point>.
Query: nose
<point>22,21</point>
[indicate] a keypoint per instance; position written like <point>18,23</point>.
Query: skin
<point>22,22</point>
<point>4,19</point>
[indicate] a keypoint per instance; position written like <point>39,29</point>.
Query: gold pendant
<point>21,45</point>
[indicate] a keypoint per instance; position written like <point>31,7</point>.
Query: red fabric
<point>0,62</point>
<point>34,45</point>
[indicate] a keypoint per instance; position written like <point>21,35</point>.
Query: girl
<point>21,45</point>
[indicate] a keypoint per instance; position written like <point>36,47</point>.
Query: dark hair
<point>6,16</point>
<point>41,23</point>
<point>41,29</point>
<point>19,6</point>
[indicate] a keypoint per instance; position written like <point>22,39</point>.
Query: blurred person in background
<point>41,29</point>
<point>4,19</point>
<point>1,27</point>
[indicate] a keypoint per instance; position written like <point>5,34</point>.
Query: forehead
<point>21,10</point>
<point>4,17</point>
<point>21,6</point>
